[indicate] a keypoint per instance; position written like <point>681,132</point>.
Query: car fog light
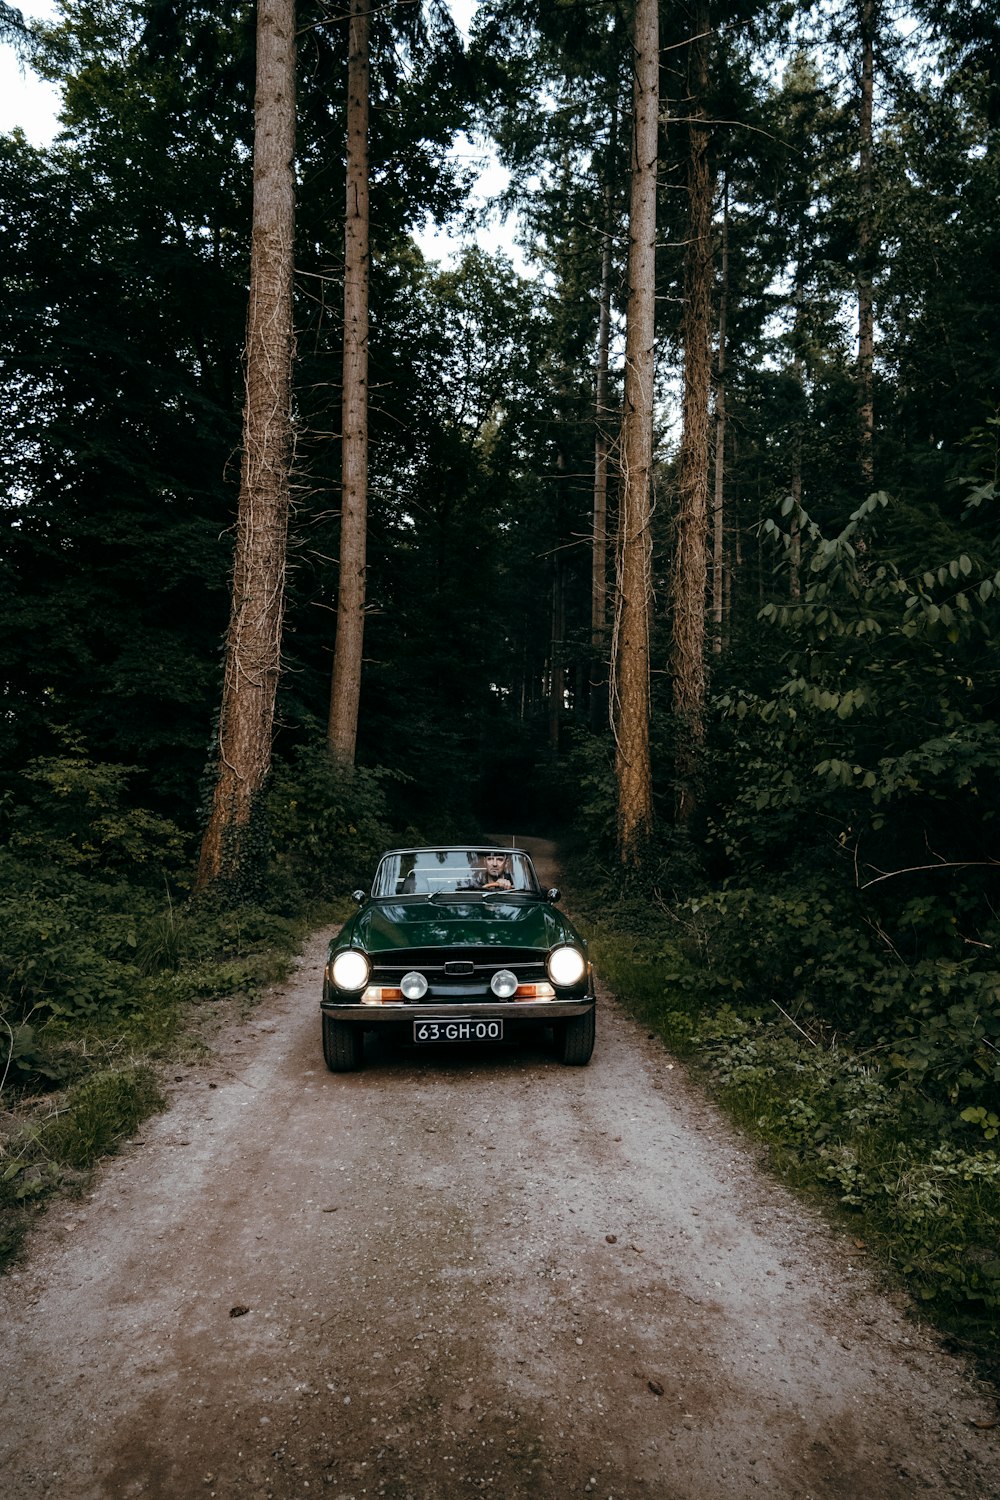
<point>503,984</point>
<point>350,970</point>
<point>566,966</point>
<point>413,985</point>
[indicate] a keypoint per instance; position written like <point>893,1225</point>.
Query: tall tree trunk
<point>798,433</point>
<point>632,764</point>
<point>689,574</point>
<point>599,538</point>
<point>229,849</point>
<point>345,691</point>
<point>866,255</point>
<point>557,667</point>
<point>719,496</point>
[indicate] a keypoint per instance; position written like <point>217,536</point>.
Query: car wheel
<point>343,1045</point>
<point>575,1039</point>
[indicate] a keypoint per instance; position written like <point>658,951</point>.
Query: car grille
<point>458,973</point>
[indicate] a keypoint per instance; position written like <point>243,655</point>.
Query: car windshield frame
<point>454,872</point>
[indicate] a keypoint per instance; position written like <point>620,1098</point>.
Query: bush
<point>76,814</point>
<point>329,822</point>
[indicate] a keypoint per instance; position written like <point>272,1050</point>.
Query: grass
<point>79,1086</point>
<point>837,1129</point>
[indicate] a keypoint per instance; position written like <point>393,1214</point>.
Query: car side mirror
<point>359,897</point>
<point>553,893</point>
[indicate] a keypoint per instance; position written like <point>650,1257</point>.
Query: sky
<point>27,101</point>
<point>24,99</point>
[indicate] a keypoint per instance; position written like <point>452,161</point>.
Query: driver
<point>493,876</point>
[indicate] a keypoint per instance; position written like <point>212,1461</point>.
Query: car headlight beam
<point>350,970</point>
<point>566,966</point>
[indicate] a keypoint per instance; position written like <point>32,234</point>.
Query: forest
<point>688,558</point>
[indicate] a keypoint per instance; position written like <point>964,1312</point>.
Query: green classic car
<point>456,945</point>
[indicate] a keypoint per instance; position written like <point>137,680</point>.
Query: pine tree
<point>345,692</point>
<point>690,561</point>
<point>253,645</point>
<point>631,684</point>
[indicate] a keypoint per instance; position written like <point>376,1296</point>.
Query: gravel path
<point>472,1272</point>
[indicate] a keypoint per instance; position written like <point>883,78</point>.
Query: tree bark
<point>866,256</point>
<point>599,540</point>
<point>719,496</point>
<point>345,691</point>
<point>798,433</point>
<point>632,762</point>
<point>689,573</point>
<point>229,849</point>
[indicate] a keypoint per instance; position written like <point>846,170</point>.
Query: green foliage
<point>90,1121</point>
<point>328,821</point>
<point>855,812</point>
<point>67,944</point>
<point>835,1118</point>
<point>27,1059</point>
<point>75,814</point>
<point>99,1113</point>
<point>97,961</point>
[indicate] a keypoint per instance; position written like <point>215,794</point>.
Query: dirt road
<point>468,1273</point>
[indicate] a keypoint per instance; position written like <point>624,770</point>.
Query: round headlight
<point>350,970</point>
<point>503,984</point>
<point>566,966</point>
<point>413,985</point>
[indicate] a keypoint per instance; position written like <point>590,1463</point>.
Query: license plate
<point>458,1031</point>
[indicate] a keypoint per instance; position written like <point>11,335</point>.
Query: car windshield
<point>434,872</point>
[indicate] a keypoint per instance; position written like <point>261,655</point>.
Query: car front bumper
<point>537,1011</point>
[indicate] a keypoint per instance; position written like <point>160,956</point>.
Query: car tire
<point>575,1039</point>
<point>343,1045</point>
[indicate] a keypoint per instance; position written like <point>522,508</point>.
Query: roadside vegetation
<point>915,1182</point>
<point>918,1182</point>
<point>855,1039</point>
<point>109,969</point>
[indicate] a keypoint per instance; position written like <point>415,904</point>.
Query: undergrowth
<point>107,962</point>
<point>77,1084</point>
<point>918,1185</point>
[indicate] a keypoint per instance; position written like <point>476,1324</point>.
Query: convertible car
<point>456,945</point>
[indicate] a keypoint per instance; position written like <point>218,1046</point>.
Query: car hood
<point>384,925</point>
